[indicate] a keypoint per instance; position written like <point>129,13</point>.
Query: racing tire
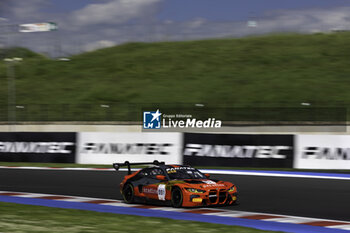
<point>128,193</point>
<point>176,197</point>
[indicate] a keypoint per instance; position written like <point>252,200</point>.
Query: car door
<point>155,189</point>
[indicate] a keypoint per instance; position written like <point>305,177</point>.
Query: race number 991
<point>161,192</point>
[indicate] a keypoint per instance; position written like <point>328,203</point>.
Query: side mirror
<point>160,177</point>
<point>207,175</point>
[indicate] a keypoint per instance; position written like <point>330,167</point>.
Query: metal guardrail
<point>112,112</point>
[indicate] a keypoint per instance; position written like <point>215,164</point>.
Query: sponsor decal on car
<point>161,192</point>
<point>213,185</point>
<point>209,182</point>
<point>174,169</point>
<point>150,190</point>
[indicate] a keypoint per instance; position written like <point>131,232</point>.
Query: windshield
<point>184,173</point>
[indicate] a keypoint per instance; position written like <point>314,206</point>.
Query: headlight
<point>192,190</point>
<point>232,189</point>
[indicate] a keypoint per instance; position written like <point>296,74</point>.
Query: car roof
<point>166,166</point>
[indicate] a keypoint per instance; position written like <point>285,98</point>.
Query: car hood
<point>206,183</point>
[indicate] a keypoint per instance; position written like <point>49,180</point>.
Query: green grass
<point>25,218</point>
<point>73,165</point>
<point>272,71</point>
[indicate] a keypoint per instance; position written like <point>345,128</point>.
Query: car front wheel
<point>176,197</point>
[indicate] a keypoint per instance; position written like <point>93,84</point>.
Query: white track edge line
<point>219,172</point>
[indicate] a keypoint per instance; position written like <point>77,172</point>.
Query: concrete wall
<point>76,127</point>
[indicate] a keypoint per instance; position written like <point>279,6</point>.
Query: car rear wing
<point>116,166</point>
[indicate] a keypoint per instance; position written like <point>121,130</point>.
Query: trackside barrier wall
<point>322,151</point>
<point>108,148</point>
<point>254,150</point>
<point>238,150</point>
<point>197,149</point>
<point>38,147</point>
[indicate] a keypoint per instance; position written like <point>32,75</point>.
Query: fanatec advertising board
<point>38,147</point>
<point>238,150</point>
<point>322,151</point>
<point>108,148</point>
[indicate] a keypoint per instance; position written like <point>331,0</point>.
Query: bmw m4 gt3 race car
<point>176,185</point>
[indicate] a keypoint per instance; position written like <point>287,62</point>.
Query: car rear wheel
<point>128,193</point>
<point>176,197</point>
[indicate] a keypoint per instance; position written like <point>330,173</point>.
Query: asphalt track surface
<point>317,198</point>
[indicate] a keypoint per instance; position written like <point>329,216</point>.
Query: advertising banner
<point>322,151</point>
<point>37,147</point>
<point>108,148</point>
<point>238,150</point>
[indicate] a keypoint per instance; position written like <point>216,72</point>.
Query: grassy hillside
<point>267,71</point>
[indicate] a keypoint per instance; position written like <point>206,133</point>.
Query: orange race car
<point>176,185</point>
